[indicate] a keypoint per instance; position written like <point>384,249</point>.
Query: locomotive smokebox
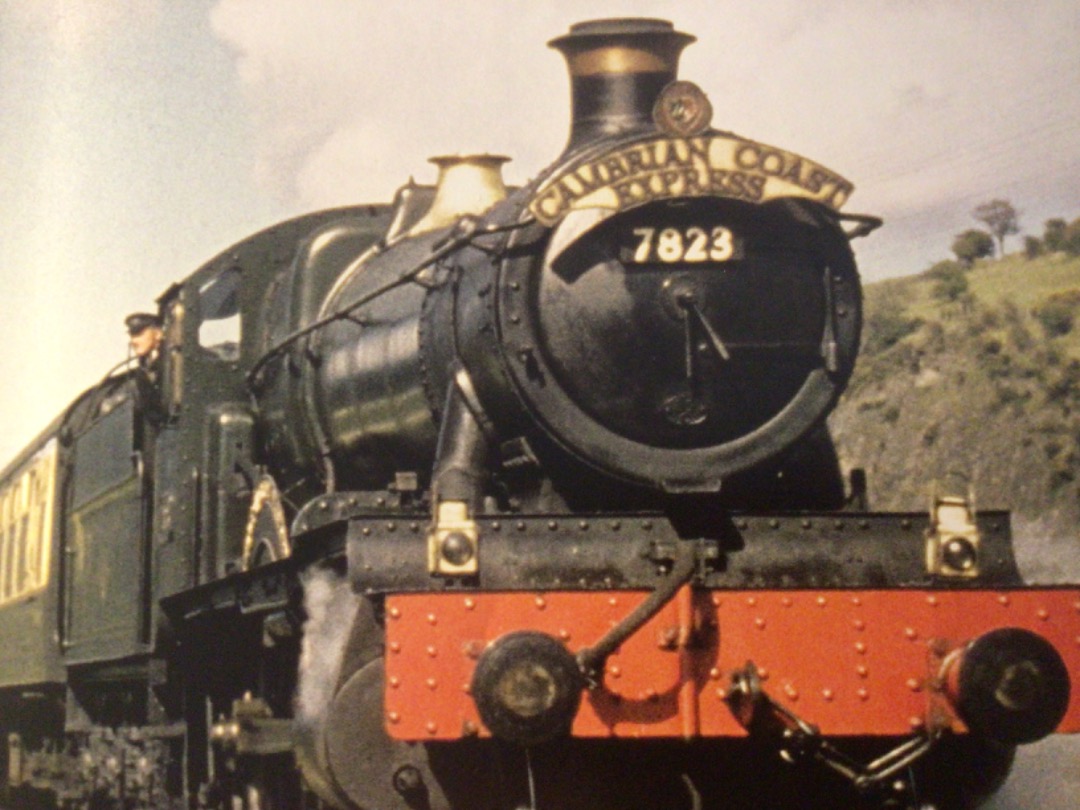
<point>617,70</point>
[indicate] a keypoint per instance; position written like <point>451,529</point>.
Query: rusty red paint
<point>847,670</point>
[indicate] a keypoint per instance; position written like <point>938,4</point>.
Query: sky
<point>139,138</point>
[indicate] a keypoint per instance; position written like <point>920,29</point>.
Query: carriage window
<point>26,511</point>
<point>219,305</point>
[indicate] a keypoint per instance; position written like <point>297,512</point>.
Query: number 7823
<point>690,244</point>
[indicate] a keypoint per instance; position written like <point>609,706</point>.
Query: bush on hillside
<point>1063,387</point>
<point>1021,336</point>
<point>887,326</point>
<point>1058,313</point>
<point>1001,218</point>
<point>950,281</point>
<point>886,320</point>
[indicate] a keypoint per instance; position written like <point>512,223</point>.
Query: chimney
<point>617,69</point>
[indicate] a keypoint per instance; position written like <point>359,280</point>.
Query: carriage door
<point>106,553</point>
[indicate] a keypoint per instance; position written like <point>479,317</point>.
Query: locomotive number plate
<point>693,244</point>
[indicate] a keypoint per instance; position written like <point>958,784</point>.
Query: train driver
<point>145,338</point>
<point>144,332</point>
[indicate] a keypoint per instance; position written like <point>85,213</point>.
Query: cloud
<point>921,105</point>
<point>373,87</point>
<point>388,86</point>
<point>79,28</point>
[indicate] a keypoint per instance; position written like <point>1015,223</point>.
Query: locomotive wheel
<point>375,772</point>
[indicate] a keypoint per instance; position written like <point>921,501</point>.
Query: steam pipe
<point>461,458</point>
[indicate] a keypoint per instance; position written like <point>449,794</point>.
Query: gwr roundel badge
<point>682,110</point>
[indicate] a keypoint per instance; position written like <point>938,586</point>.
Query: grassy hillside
<point>975,372</point>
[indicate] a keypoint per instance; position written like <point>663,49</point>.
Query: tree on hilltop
<point>1054,234</point>
<point>1033,247</point>
<point>1001,218</point>
<point>1071,237</point>
<point>972,244</point>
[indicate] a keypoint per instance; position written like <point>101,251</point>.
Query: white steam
<point>331,606</point>
<point>1044,556</point>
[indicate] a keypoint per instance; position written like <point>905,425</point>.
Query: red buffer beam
<point>849,662</point>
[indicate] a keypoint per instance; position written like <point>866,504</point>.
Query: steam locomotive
<point>494,498</point>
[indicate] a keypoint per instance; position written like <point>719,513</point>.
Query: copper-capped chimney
<point>617,69</point>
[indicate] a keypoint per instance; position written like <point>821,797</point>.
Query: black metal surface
<point>551,552</point>
<point>309,259</point>
<point>612,104</point>
<point>636,384</point>
<point>627,341</point>
<point>365,377</point>
<point>335,507</point>
<point>262,590</point>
